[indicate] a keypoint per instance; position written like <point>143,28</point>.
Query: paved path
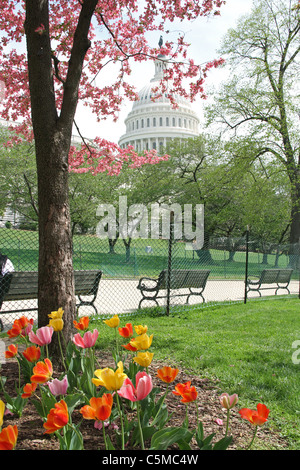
<point>122,296</point>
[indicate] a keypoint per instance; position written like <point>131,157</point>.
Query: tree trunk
<point>56,284</point>
<point>295,213</point>
<point>52,134</point>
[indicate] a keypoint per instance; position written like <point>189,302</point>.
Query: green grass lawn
<point>248,349</point>
<point>91,252</point>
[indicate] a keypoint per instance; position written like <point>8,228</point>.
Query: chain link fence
<point>156,274</point>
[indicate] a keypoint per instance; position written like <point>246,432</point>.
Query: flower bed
<point>123,401</point>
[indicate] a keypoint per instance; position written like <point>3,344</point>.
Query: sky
<point>205,37</point>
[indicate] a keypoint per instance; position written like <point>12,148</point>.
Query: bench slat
<point>24,285</point>
<point>179,279</point>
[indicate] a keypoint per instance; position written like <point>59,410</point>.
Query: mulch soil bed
<point>31,432</point>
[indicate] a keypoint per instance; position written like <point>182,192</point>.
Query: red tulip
<point>256,417</point>
<point>82,324</point>
<point>28,390</point>
<point>187,392</point>
<point>32,354</point>
<point>21,326</point>
<point>129,347</point>
<point>12,351</point>
<point>57,418</point>
<point>99,408</point>
<point>126,331</point>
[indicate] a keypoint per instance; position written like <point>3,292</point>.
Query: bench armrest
<point>147,283</point>
<point>252,281</point>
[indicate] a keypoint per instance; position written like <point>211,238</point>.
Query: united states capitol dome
<point>151,124</point>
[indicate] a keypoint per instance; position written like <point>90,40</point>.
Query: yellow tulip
<point>110,379</point>
<point>58,314</point>
<point>144,359</point>
<point>57,324</point>
<point>2,409</point>
<point>113,322</point>
<point>140,330</point>
<point>142,342</point>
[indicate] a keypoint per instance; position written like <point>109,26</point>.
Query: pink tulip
<point>88,340</point>
<point>58,387</point>
<point>143,387</point>
<point>227,401</point>
<point>42,336</point>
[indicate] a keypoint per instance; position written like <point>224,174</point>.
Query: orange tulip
<point>99,408</point>
<point>32,353</point>
<point>126,331</point>
<point>167,374</point>
<point>187,392</point>
<point>21,326</point>
<point>42,372</point>
<point>82,324</point>
<point>28,390</point>
<point>12,351</point>
<point>57,418</point>
<point>256,417</point>
<point>8,438</point>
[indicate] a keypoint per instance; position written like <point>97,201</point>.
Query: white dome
<point>151,124</point>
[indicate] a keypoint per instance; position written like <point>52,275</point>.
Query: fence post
<point>169,270</point>
<point>246,267</point>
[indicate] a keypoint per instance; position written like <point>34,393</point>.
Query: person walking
<point>6,266</point>
<point>6,270</point>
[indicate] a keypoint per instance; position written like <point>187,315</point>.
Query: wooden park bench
<point>271,279</point>
<point>179,279</point>
<point>23,285</point>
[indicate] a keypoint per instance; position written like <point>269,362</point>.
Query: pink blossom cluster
<point>118,35</point>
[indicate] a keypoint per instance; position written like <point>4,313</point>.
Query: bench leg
<point>254,290</point>
<point>1,325</point>
<point>88,303</point>
<point>147,298</point>
<point>282,287</point>
<point>194,293</point>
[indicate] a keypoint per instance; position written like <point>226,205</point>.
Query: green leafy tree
<point>261,98</point>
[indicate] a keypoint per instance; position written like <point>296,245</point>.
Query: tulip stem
<point>104,436</point>
<point>61,352</point>
<point>254,435</point>
<point>19,374</point>
<point>117,345</point>
<point>121,420</point>
<point>227,423</point>
<point>140,426</point>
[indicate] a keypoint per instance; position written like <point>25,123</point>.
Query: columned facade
<point>151,124</point>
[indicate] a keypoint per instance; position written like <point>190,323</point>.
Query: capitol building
<point>151,124</point>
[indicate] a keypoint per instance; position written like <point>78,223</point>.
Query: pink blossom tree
<point>68,43</point>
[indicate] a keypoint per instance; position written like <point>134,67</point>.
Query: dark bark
<point>295,212</point>
<point>52,135</point>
